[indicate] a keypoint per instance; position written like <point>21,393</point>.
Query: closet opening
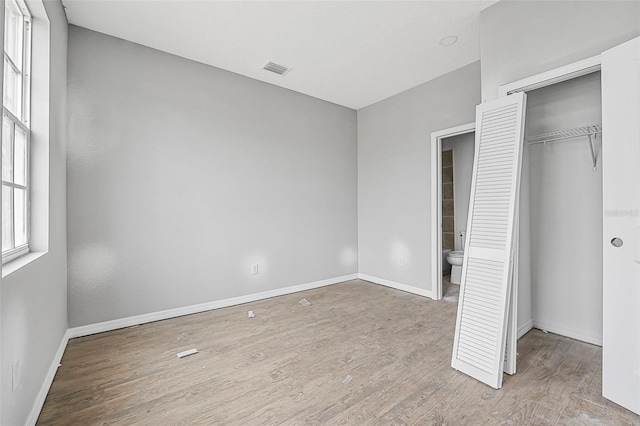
<point>560,229</point>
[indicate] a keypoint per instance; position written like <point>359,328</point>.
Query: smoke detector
<point>276,68</point>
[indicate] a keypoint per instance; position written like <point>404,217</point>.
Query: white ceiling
<point>352,53</point>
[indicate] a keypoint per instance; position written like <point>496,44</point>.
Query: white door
<point>621,224</point>
<point>485,290</point>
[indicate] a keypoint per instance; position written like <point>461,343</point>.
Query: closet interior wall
<point>562,207</point>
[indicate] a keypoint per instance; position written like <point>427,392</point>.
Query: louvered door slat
<point>479,343</point>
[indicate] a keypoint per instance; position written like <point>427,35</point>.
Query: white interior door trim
<point>436,201</point>
<point>556,75</point>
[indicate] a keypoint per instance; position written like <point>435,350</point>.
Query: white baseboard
<point>101,327</point>
<point>594,339</point>
<point>524,328</point>
<point>48,380</point>
<point>397,286</point>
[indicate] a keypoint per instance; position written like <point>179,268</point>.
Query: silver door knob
<point>617,242</point>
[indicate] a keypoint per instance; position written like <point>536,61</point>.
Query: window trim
<point>26,73</point>
<point>24,125</point>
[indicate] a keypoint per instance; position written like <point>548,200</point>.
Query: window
<point>15,131</point>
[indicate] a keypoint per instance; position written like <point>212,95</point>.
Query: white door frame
<point>557,75</point>
<point>436,200</point>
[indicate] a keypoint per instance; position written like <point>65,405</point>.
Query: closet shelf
<point>590,132</point>
<point>565,134</point>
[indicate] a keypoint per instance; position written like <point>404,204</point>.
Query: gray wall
<point>519,39</point>
<point>181,175</point>
<point>463,147</point>
<point>566,211</point>
<point>34,298</point>
<point>394,139</point>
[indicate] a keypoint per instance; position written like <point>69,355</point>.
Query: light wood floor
<point>288,366</point>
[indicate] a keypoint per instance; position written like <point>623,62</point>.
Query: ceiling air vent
<point>275,68</point>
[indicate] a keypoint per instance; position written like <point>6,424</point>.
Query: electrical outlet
<point>254,269</point>
<point>15,375</point>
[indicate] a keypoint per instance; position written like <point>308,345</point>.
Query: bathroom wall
<point>566,211</point>
<point>463,147</point>
<point>447,202</point>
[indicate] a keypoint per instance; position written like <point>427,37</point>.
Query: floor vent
<point>275,68</point>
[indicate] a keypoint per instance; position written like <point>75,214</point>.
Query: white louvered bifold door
<point>479,343</point>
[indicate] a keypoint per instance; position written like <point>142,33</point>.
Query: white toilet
<point>455,259</point>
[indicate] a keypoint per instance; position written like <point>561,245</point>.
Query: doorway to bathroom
<point>452,152</point>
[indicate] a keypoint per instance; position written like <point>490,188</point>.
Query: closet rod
<point>590,132</point>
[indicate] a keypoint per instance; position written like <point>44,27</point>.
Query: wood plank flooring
<point>288,366</point>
